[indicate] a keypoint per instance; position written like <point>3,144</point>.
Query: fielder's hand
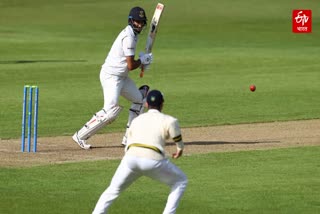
<point>145,59</point>
<point>177,154</point>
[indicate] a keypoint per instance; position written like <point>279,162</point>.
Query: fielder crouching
<point>145,156</point>
<point>115,80</point>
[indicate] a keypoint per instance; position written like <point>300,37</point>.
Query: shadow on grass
<point>203,143</point>
<point>38,61</point>
<point>99,147</point>
<point>224,142</point>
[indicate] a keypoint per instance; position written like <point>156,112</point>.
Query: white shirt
<point>124,45</point>
<point>154,128</point>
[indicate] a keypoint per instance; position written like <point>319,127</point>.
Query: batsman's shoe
<point>81,143</point>
<point>124,141</point>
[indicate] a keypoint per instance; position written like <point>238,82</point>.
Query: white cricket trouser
<point>131,168</point>
<point>114,86</point>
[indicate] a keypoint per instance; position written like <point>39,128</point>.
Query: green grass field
<point>206,56</point>
<point>274,181</point>
<point>205,59</point>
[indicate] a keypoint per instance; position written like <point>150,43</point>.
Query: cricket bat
<point>154,25</point>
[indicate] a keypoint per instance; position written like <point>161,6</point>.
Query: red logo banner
<point>301,21</point>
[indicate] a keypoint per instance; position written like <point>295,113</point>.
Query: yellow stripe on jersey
<point>177,138</point>
<point>145,146</point>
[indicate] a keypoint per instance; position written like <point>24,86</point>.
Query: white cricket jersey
<point>153,128</point>
<point>124,45</point>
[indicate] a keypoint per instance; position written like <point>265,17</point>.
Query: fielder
<point>145,156</point>
<point>115,81</point>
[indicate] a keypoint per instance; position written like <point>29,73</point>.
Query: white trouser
<point>131,168</point>
<point>114,86</point>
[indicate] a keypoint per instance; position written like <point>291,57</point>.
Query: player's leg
<point>98,121</point>
<point>138,99</point>
<point>124,176</point>
<point>111,86</point>
<point>170,174</point>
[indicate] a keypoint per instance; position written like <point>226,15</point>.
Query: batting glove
<point>141,54</point>
<point>145,67</point>
<point>145,59</point>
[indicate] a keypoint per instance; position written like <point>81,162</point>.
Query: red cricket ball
<point>252,88</point>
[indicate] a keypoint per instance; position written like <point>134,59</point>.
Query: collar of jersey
<point>153,110</point>
<point>131,31</point>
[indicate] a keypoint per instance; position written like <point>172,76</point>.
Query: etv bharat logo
<point>301,21</point>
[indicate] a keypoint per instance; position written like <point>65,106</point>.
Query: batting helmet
<point>138,14</point>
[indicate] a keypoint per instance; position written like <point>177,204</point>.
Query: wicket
<point>28,95</point>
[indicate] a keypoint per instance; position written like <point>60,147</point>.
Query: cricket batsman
<point>115,80</point>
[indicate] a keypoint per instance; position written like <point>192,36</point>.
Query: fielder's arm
<point>180,146</point>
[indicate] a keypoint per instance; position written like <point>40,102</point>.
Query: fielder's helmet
<point>155,98</point>
<point>138,14</point>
